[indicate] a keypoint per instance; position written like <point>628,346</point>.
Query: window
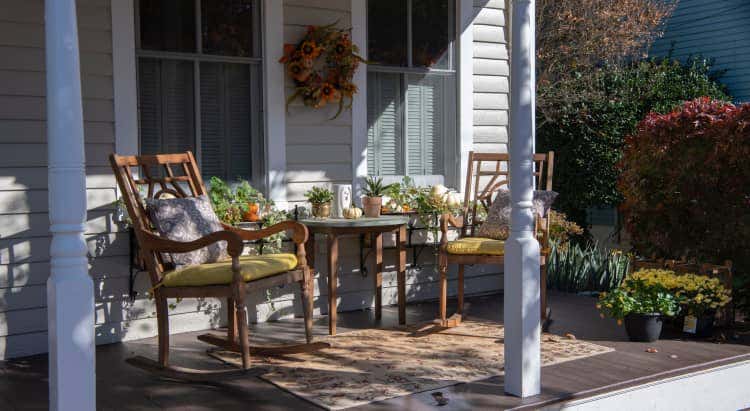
<point>411,88</point>
<point>199,83</point>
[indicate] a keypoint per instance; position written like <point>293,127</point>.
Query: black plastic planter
<point>643,327</point>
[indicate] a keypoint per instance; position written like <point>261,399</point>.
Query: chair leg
<point>443,268</point>
<point>307,303</point>
<point>242,324</point>
<point>231,320</point>
<point>460,309</point>
<point>162,319</point>
<point>543,290</point>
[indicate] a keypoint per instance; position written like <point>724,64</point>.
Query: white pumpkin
<point>453,200</point>
<point>394,207</point>
<point>352,213</point>
<point>438,193</point>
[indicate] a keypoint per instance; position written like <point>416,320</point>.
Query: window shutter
<point>177,106</point>
<point>238,124</point>
<point>225,123</point>
<point>149,105</point>
<point>426,99</point>
<point>385,129</point>
<point>212,118</point>
<point>165,106</point>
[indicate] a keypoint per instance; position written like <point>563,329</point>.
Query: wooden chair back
<point>155,176</point>
<point>487,173</point>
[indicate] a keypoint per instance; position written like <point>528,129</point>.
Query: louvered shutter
<point>212,119</point>
<point>177,106</point>
<point>238,124</point>
<point>149,105</point>
<point>165,106</point>
<point>429,127</point>
<point>225,121</point>
<point>385,129</point>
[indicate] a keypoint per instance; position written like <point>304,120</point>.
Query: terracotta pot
<point>321,210</point>
<point>372,206</point>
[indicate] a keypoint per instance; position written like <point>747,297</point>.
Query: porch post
<point>70,290</point>
<point>521,301</point>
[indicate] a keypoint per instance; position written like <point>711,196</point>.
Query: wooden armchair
<point>487,172</point>
<point>178,175</point>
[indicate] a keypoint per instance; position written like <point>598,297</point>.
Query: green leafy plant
<point>698,294</point>
<point>273,244</point>
<point>374,187</point>
<point>245,193</point>
<point>575,268</point>
<point>586,117</point>
<point>224,201</point>
<point>635,298</point>
<point>319,195</point>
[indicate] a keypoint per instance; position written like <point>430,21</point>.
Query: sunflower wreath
<point>322,66</point>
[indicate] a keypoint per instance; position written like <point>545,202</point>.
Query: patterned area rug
<point>376,364</point>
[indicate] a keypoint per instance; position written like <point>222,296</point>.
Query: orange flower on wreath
<point>310,50</point>
<point>298,71</point>
<point>328,93</point>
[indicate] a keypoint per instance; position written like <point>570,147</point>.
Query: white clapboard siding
<point>685,36</point>
<point>491,75</point>
<point>318,149</point>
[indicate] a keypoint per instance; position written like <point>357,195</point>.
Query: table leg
<point>377,244</point>
<point>310,252</point>
<point>401,240</point>
<point>333,263</point>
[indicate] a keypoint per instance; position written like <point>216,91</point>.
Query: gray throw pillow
<point>187,219</point>
<point>497,225</point>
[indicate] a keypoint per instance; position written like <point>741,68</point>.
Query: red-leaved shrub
<point>685,178</point>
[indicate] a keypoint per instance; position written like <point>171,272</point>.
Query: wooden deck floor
<point>23,382</point>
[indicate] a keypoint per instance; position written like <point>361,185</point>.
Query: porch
<point>628,367</point>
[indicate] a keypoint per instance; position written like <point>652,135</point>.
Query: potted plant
<point>252,199</point>
<point>641,306</point>
<point>320,198</point>
<point>373,199</point>
<point>701,296</point>
<point>224,201</point>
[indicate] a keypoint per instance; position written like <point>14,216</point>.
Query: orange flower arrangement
<point>340,61</point>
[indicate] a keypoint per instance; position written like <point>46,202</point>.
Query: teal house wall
<point>716,29</point>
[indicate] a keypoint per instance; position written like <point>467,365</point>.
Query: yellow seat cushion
<point>253,267</point>
<point>476,246</point>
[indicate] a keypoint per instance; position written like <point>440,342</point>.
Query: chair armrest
<point>151,242</point>
<point>299,231</point>
<point>446,221</point>
<point>299,236</point>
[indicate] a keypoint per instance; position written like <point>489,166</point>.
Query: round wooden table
<point>375,227</point>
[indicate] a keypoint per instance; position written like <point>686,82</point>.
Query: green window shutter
<point>385,128</point>
<point>428,122</point>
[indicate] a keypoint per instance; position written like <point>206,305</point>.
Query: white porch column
<point>70,290</point>
<point>521,301</point>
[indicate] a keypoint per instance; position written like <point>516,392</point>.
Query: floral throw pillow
<point>187,219</point>
<point>497,225</point>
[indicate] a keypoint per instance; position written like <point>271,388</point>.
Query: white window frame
<point>273,113</point>
<point>463,65</point>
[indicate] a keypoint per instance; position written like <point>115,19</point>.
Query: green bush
<point>575,268</point>
<point>585,121</point>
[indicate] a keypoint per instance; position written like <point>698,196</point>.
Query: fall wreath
<point>322,66</point>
